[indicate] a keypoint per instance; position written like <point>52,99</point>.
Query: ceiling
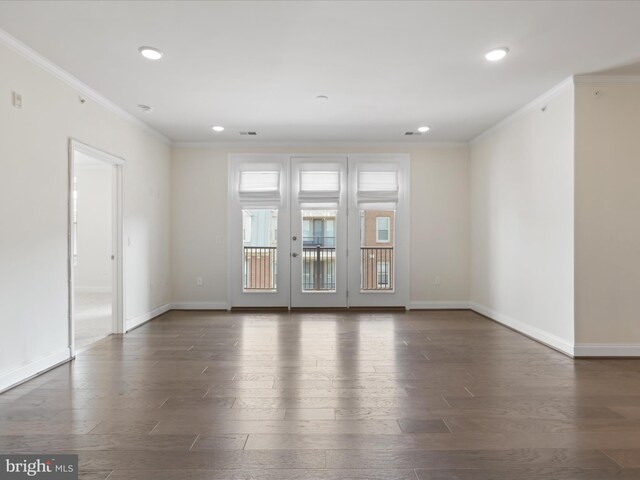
<point>386,66</point>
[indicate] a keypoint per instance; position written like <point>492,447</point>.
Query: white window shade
<point>259,182</point>
<point>259,187</point>
<point>378,182</point>
<point>377,187</point>
<point>319,181</point>
<point>319,187</point>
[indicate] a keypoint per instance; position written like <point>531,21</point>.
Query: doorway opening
<point>95,260</point>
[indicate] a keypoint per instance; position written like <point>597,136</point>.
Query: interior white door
<point>319,232</point>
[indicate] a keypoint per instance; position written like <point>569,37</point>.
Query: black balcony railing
<point>260,268</point>
<point>318,268</point>
<point>377,268</point>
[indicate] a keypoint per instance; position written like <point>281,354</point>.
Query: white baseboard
<point>92,289</point>
<point>541,336</point>
<point>134,322</point>
<point>438,305</point>
<point>200,306</point>
<point>25,372</point>
<point>606,350</point>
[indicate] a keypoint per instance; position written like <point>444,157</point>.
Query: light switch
<point>16,99</point>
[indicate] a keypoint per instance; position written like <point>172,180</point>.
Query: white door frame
<point>117,241</point>
<point>355,298</point>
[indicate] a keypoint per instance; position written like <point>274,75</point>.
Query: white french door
<point>259,231</point>
<point>379,230</point>
<point>319,231</point>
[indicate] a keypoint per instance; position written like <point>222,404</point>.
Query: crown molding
<point>86,91</point>
<point>532,105</point>
<point>327,144</point>
<point>604,80</point>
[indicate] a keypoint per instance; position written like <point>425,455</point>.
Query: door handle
<point>294,254</point>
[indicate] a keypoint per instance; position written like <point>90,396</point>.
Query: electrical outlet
<point>437,282</point>
<point>16,99</point>
<point>199,281</point>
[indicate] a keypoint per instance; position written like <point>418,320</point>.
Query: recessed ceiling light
<point>145,108</point>
<point>322,97</point>
<point>151,53</point>
<point>217,128</point>
<point>424,129</point>
<point>496,54</point>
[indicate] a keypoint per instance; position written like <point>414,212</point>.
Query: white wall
<point>94,228</point>
<point>439,221</point>
<point>33,209</point>
<point>522,220</point>
<point>607,219</point>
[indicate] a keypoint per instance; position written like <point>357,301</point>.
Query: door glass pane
<point>319,250</point>
<point>376,249</point>
<point>330,232</point>
<point>260,241</point>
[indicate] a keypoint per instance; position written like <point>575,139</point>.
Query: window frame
<point>378,229</point>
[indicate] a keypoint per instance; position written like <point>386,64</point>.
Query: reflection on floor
<point>330,396</point>
<point>92,316</point>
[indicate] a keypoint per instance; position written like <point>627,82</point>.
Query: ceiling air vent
<point>248,133</point>
<point>413,133</point>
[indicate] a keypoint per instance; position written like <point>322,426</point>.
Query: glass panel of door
<point>260,249</point>
<point>319,250</point>
<point>377,237</point>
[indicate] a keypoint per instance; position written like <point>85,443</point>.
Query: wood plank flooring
<point>330,396</point>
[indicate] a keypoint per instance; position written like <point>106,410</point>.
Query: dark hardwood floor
<point>328,396</point>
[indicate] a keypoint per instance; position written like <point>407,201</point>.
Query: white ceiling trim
<point>532,105</point>
<point>249,144</point>
<point>607,80</point>
<point>86,91</point>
